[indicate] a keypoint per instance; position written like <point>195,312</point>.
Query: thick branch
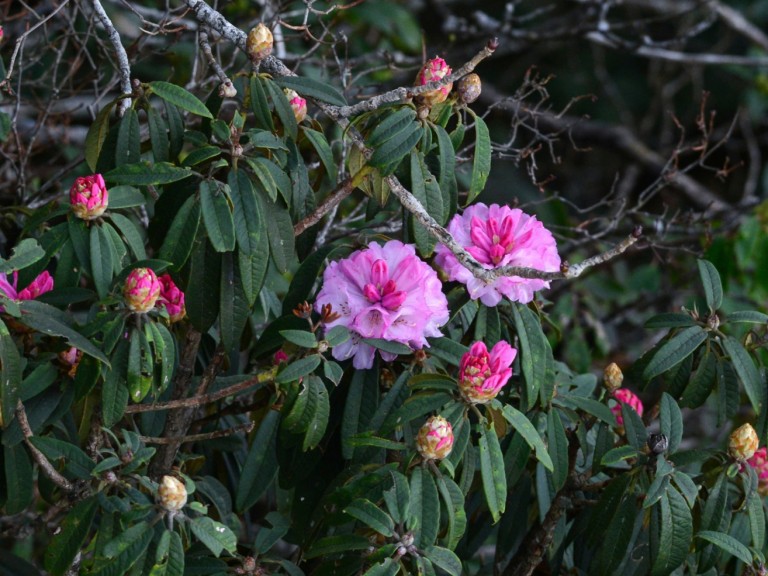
<point>124,67</point>
<point>39,457</point>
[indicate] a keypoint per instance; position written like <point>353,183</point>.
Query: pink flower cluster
<point>434,70</point>
<point>759,461</point>
<point>89,197</point>
<point>499,236</point>
<point>483,375</point>
<point>40,285</point>
<point>382,292</point>
<point>143,289</point>
<point>624,396</point>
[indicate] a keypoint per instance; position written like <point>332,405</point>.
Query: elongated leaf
<point>677,348</point>
<point>392,123</point>
<point>280,231</point>
<point>282,108</point>
<point>319,419</point>
<point>125,550</point>
<point>97,134</point>
<point>253,269</point>
<point>520,423</point>
<point>447,159</point>
<point>481,164</point>
<point>178,243</point>
<point>616,455</point>
<point>204,285</point>
<point>300,338</point>
<point>261,464</point>
<point>398,498</point>
<point>114,393</point>
<point>128,148</point>
<point>670,320</point>
<point>371,515</point>
<point>388,346</point>
<point>336,545</point>
<point>69,538</point>
<point>588,405</point>
<point>25,253</point>
<point>180,97</point>
<point>102,265</point>
<point>158,137</point>
<point>217,216</point>
<point>233,305</point>
<point>10,376</point>
<point>558,448</point>
<point>445,559</point>
<point>615,537</point>
<point>19,482</point>
<point>260,105</point>
<point>317,89</point>
<point>323,149</point>
<point>702,382</point>
<point>146,174</point>
<point>77,462</point>
<point>387,156</point>
<point>216,536</point>
<point>634,427</point>
<point>747,316</point>
<point>713,287</point>
<point>425,508</point>
<point>746,370</point>
<point>756,515</point>
<point>132,236</point>
<point>298,368</point>
<point>388,567</point>
<point>453,498</point>
<point>51,321</point>
<point>676,530</point>
<point>492,471</point>
<point>728,543</point>
<point>671,422</point>
<point>535,354</point>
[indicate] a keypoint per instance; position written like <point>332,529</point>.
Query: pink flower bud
<point>88,197</point>
<point>298,104</point>
<point>759,461</point>
<point>625,396</point>
<point>40,285</point>
<point>483,375</point>
<point>70,359</point>
<point>435,439</point>
<point>141,290</point>
<point>259,43</point>
<point>171,298</point>
<point>171,494</point>
<point>743,442</point>
<point>280,357</point>
<point>1,33</point>
<point>434,70</point>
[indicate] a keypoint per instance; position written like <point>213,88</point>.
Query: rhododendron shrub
<point>239,339</point>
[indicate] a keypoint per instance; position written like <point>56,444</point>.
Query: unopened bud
<point>658,443</point>
<point>434,70</point>
<point>171,494</point>
<point>259,43</point>
<point>141,290</point>
<point>435,439</point>
<point>469,88</point>
<point>298,104</point>
<point>612,377</point>
<point>227,89</point>
<point>743,442</point>
<point>89,197</point>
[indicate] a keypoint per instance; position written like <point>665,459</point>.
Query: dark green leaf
<point>388,567</point>
<point>233,306</point>
<point>680,346</point>
<point>671,422</point>
<point>298,368</point>
<point>535,353</point>
<point>217,216</point>
<point>125,550</point>
<point>200,155</point>
<point>158,137</point>
<point>282,108</point>
<point>453,498</point>
<point>261,463</point>
<point>388,346</point>
<point>394,121</point>
<point>747,316</point>
<point>619,454</point>
<point>398,498</point>
<point>492,471</point>
<point>180,97</point>
<point>387,156</point>
<point>253,270</point>
<point>10,376</point>
<point>70,536</point>
<point>558,448</point>
<point>300,338</point>
<point>114,393</point>
<point>634,426</point>
<point>204,285</point>
<point>128,148</point>
<point>728,543</point>
<point>131,234</point>
<point>216,536</point>
<point>182,233</point>
<point>319,90</point>
<point>670,320</point>
<point>102,265</point>
<point>676,529</point>
<point>756,515</point>
<point>280,231</point>
<point>146,174</point>
<point>713,287</point>
<point>324,151</point>
<point>481,165</point>
<point>424,519</point>
<point>520,423</point>
<point>336,545</point>
<point>19,482</point>
<point>445,559</point>
<point>97,134</point>
<point>371,515</point>
<point>76,461</point>
<point>746,370</point>
<point>702,382</point>
<point>260,105</point>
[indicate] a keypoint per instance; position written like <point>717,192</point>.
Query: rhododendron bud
<point>469,88</point>
<point>625,396</point>
<point>171,494</point>
<point>482,375</point>
<point>227,89</point>
<point>171,298</point>
<point>298,104</point>
<point>612,377</point>
<point>498,236</point>
<point>259,43</point>
<point>70,359</point>
<point>382,292</point>
<point>141,290</point>
<point>759,461</point>
<point>435,439</point>
<point>40,285</point>
<point>88,197</point>
<point>743,442</point>
<point>434,70</point>
<point>2,33</point>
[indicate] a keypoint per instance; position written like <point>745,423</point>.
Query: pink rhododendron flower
<point>624,396</point>
<point>499,236</point>
<point>171,298</point>
<point>435,439</point>
<point>759,461</point>
<point>298,104</point>
<point>70,359</point>
<point>141,290</point>
<point>40,285</point>
<point>89,197</point>
<point>434,70</point>
<point>483,375</point>
<point>382,292</point>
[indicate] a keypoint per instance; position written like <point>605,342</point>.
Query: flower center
<point>382,289</point>
<point>492,239</point>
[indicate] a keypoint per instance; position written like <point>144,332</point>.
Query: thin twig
<point>124,66</point>
<point>162,440</point>
<point>205,45</point>
<point>329,203</point>
<point>42,461</point>
<point>196,401</point>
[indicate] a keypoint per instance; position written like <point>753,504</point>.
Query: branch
<point>196,401</point>
<point>42,461</point>
<point>124,67</point>
<point>400,94</point>
<point>226,84</point>
<point>329,203</point>
<point>736,21</point>
<point>165,441</point>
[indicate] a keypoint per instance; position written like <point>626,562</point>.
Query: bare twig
<point>166,441</point>
<point>39,457</point>
<point>124,67</point>
<point>329,202</point>
<point>205,45</point>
